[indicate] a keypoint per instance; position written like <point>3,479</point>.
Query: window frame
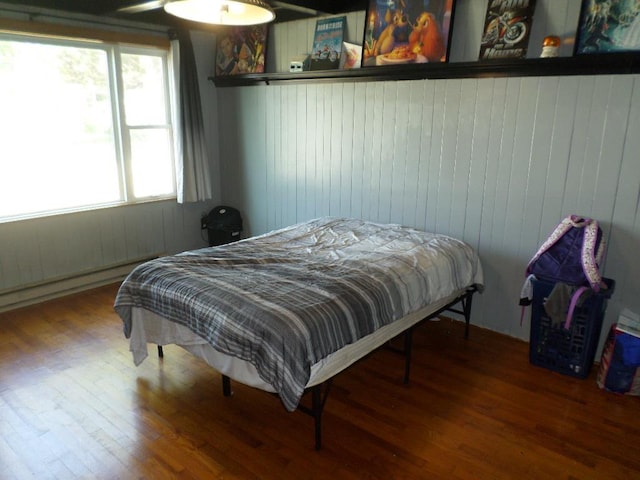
<point>114,44</point>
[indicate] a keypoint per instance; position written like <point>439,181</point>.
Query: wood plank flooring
<point>73,405</point>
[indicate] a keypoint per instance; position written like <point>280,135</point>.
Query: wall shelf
<point>603,64</point>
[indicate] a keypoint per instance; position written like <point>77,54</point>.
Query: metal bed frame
<point>320,392</point>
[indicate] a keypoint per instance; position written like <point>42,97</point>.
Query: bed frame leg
<point>466,307</point>
<point>317,407</point>
<point>408,343</point>
<point>226,386</point>
<point>318,399</point>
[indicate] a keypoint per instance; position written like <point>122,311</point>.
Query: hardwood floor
<point>73,405</point>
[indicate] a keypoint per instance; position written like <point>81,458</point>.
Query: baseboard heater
<point>49,289</point>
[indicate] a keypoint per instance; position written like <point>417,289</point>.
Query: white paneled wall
<point>496,162</point>
<point>44,257</point>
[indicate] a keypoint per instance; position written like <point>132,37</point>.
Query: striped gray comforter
<point>287,299</point>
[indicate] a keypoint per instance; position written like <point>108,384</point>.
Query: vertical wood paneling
<point>462,164</point>
<point>435,154</point>
<point>39,250</point>
<point>324,142</point>
<point>387,151</point>
<point>479,164</point>
<point>311,186</point>
<point>616,113</point>
<point>358,153</point>
<point>321,159</point>
<point>560,141</point>
<point>542,130</point>
<point>447,150</point>
<point>423,157</point>
<point>493,205</point>
<point>398,155</point>
<point>347,114</point>
<point>594,142</point>
<point>579,142</point>
<point>270,158</point>
<point>412,151</point>
<point>497,162</point>
<point>255,158</point>
<point>301,157</point>
<point>374,130</point>
<point>332,135</point>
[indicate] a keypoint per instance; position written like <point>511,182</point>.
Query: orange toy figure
<point>426,38</point>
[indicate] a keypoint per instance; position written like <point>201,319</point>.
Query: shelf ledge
<point>601,64</point>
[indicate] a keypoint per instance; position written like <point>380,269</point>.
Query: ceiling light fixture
<point>222,12</point>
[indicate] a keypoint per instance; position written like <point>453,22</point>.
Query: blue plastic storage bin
<point>567,351</point>
<point>620,363</point>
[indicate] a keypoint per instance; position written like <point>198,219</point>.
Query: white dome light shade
<point>222,12</point>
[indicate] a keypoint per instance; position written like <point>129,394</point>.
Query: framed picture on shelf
<point>241,50</point>
<point>327,43</point>
<point>351,56</point>
<point>608,27</point>
<point>506,31</point>
<point>407,31</point>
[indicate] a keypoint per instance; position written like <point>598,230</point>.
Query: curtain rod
<point>86,20</point>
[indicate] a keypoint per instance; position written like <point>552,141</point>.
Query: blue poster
<point>327,43</point>
<point>608,26</point>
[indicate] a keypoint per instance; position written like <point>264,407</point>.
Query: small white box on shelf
<point>299,64</point>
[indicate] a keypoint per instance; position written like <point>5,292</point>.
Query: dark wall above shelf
<point>604,64</point>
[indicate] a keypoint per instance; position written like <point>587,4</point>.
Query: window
<point>83,124</point>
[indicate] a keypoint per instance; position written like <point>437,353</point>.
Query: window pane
<point>144,88</point>
<point>64,142</point>
<point>151,164</point>
<point>58,149</point>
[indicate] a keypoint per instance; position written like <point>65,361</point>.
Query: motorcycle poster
<point>327,43</point>
<point>506,29</point>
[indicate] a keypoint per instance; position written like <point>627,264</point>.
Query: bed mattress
<point>286,302</point>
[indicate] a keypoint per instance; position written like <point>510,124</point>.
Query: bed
<point>288,310</point>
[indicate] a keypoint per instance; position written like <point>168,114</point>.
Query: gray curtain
<point>193,176</point>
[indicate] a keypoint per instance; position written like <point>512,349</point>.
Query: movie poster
<point>608,26</point>
<point>407,31</point>
<point>506,29</point>
<point>241,50</point>
<point>327,43</point>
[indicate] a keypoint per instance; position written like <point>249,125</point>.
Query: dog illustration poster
<point>407,31</point>
<point>327,43</point>
<point>608,26</point>
<point>506,29</point>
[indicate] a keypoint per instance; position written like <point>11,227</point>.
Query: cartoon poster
<point>608,26</point>
<point>407,31</point>
<point>241,50</point>
<point>506,29</point>
<point>327,43</point>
